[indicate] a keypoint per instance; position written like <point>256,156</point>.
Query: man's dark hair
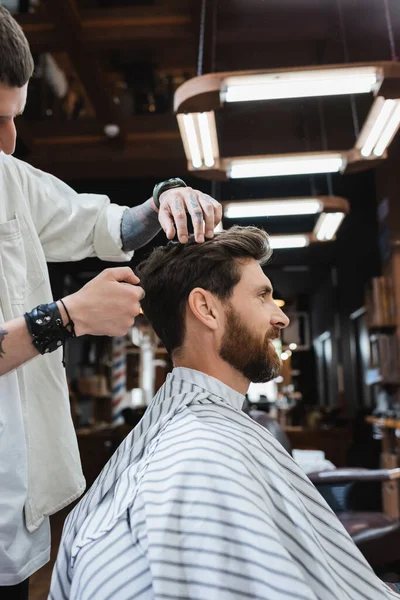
<point>171,272</point>
<point>16,62</point>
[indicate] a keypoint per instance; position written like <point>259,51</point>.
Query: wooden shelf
<point>382,327</point>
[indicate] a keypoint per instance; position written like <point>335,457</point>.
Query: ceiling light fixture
<point>332,211</point>
<point>277,207</point>
<point>199,136</point>
<point>300,84</point>
<point>380,128</point>
<point>273,208</point>
<point>289,164</point>
<point>327,226</point>
<point>202,95</point>
<point>391,128</point>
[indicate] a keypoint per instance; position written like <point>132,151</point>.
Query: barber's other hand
<point>204,211</point>
<point>107,305</point>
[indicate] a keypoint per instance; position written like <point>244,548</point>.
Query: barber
<point>44,220</point>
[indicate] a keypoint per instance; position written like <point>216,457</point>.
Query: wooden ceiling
<point>103,40</point>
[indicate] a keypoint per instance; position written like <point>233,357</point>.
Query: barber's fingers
<point>121,274</point>
<point>212,211</point>
<point>172,217</point>
<point>205,213</point>
<point>195,210</point>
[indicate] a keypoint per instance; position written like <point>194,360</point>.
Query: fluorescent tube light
<point>386,109</point>
<point>192,141</point>
<point>380,127</point>
<point>300,84</point>
<point>272,208</point>
<point>300,164</point>
<point>327,226</point>
<point>390,131</point>
<point>199,136</point>
<point>205,136</point>
<point>278,242</point>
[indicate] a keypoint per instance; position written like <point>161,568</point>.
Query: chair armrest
<point>353,475</point>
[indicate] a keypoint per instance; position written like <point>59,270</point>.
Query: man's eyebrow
<point>267,289</point>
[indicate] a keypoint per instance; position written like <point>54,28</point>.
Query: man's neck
<point>210,363</point>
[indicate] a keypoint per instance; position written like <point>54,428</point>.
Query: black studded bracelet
<point>46,327</point>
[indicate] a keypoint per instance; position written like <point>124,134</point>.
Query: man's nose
<point>279,319</point>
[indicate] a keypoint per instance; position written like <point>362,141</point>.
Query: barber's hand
<point>205,213</point>
<point>107,305</point>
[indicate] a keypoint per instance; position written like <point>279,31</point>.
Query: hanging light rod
<point>197,99</point>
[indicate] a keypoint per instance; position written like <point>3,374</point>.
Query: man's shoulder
<point>9,162</point>
<point>188,434</point>
<point>13,170</point>
<point>17,167</point>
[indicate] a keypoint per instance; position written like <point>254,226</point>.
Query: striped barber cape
<point>200,502</point>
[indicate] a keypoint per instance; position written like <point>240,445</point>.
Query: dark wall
<point>356,260</point>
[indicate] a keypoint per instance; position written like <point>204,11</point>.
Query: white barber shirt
<point>41,219</point>
<point>202,503</point>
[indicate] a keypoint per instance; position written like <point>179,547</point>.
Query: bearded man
<point>199,501</point>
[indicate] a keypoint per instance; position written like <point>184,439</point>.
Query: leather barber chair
<point>377,534</point>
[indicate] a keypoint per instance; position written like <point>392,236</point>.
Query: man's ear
<point>204,307</point>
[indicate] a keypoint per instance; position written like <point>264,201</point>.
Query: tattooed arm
<point>16,346</point>
<point>106,305</point>
<point>140,224</point>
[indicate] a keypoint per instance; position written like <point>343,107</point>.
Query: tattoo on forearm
<point>138,226</point>
<point>3,334</point>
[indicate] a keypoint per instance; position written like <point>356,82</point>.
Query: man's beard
<point>252,355</point>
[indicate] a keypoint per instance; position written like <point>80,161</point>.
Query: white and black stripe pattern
<point>201,502</point>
